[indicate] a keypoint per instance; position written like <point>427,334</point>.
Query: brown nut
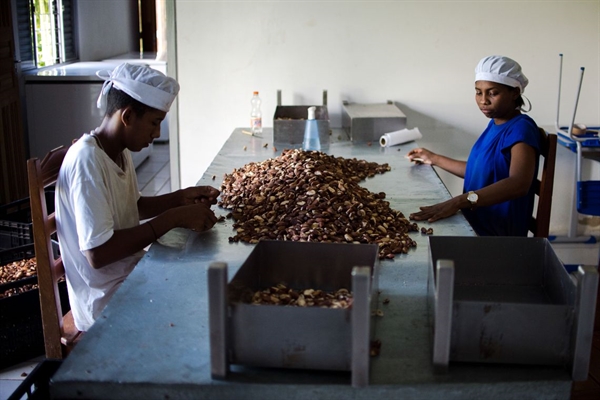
<point>375,348</point>
<point>579,129</point>
<point>311,196</point>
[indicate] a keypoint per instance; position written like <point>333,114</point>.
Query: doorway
<point>13,171</point>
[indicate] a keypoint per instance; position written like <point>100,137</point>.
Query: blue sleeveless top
<point>489,162</point>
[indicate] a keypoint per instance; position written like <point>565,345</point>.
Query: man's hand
<point>200,194</point>
<point>197,217</point>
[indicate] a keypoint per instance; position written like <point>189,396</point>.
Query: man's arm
<point>125,242</point>
<point>150,207</point>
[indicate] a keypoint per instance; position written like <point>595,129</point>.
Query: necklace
<point>93,134</point>
<point>119,161</point>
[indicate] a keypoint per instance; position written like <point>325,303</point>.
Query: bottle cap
<point>255,92</point>
<point>311,112</point>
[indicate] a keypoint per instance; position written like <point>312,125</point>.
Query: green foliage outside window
<point>45,33</point>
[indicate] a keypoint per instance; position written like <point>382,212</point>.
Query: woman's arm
<point>522,169</point>
<point>451,165</point>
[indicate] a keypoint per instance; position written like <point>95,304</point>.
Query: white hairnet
<point>501,69</point>
<point>144,84</point>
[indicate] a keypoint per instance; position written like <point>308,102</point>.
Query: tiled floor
<point>10,378</point>
<point>153,179</point>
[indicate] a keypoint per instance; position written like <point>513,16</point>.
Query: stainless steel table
<point>152,339</point>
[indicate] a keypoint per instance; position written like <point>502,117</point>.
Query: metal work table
<point>152,339</point>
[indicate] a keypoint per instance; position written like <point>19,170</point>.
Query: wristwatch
<point>472,197</point>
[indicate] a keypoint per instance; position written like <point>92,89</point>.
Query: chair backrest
<point>540,221</point>
<point>59,331</point>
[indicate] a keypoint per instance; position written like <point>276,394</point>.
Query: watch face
<point>472,197</point>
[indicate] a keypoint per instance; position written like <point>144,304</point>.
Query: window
<point>46,34</point>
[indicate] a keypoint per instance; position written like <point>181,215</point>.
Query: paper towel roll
<point>399,137</point>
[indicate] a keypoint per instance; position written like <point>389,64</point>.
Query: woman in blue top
<point>498,193</point>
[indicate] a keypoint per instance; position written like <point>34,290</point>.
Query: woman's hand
<point>437,211</point>
<point>424,156</point>
<point>421,156</point>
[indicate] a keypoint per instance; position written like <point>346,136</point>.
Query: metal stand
<point>444,296</point>
<point>587,286</point>
<point>361,316</point>
<point>217,319</point>
<point>579,192</point>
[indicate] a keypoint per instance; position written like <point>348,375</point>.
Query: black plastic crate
<point>21,331</point>
<point>16,253</point>
<point>15,221</point>
<point>37,383</point>
<point>15,234</point>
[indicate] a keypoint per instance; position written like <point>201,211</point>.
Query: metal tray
<point>289,122</point>
<point>295,337</point>
<point>509,300</point>
<point>367,122</point>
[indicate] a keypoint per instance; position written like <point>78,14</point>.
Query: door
<point>13,170</point>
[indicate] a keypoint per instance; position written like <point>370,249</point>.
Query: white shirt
<point>94,197</point>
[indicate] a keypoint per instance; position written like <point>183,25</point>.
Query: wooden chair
<point>539,224</point>
<point>60,333</point>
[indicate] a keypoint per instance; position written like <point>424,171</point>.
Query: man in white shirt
<point>98,204</point>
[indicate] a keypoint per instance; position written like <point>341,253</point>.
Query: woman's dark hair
<point>117,99</point>
<point>519,102</point>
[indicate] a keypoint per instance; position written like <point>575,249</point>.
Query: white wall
<point>107,28</point>
<point>419,54</point>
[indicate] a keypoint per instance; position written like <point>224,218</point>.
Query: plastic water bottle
<point>255,115</point>
<point>311,132</point>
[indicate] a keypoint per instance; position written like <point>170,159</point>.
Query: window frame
<point>64,12</point>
